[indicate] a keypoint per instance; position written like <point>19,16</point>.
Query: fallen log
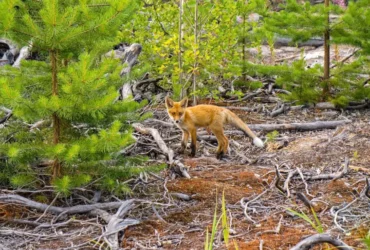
<point>299,126</point>
<point>13,198</point>
<point>315,239</point>
<point>287,127</point>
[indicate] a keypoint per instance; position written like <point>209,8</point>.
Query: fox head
<point>176,110</point>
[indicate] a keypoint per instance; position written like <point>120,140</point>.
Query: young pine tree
<point>70,95</point>
<point>302,22</point>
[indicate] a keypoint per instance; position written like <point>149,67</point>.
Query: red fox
<point>210,116</point>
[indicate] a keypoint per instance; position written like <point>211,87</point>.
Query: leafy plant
<point>366,240</point>
<point>208,245</point>
<point>271,136</point>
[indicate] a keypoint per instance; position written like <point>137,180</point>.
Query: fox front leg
<point>184,141</point>
<point>193,146</point>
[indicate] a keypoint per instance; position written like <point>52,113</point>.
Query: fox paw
<point>220,155</point>
<point>180,151</point>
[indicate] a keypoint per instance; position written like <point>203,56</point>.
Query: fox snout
<point>176,119</point>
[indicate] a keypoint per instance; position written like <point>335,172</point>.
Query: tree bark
<point>181,35</point>
<point>55,118</point>
<point>326,89</point>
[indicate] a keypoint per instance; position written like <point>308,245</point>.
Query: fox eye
<point>173,113</point>
<point>180,114</point>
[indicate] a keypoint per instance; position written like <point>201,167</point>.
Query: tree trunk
<point>55,118</point>
<point>195,71</point>
<point>181,35</point>
<point>326,89</point>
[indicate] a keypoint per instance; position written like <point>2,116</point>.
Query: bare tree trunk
<point>55,118</point>
<point>244,74</point>
<point>181,35</point>
<point>326,89</point>
<point>195,71</point>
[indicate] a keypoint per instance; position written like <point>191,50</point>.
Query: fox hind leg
<point>221,140</point>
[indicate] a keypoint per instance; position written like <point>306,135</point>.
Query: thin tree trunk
<point>55,118</point>
<point>244,74</point>
<point>181,35</point>
<point>195,52</point>
<point>326,89</point>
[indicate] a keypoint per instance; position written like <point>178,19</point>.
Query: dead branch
<point>345,59</point>
<point>315,239</point>
<point>9,114</point>
<point>304,181</point>
<point>283,108</point>
<point>324,105</point>
<point>245,205</point>
<point>160,122</point>
<point>181,196</point>
<point>246,97</point>
<point>288,127</point>
<point>305,201</point>
<point>277,181</point>
<point>299,126</point>
<point>241,108</point>
<point>78,209</point>
<point>117,224</point>
<point>334,176</point>
<point>287,181</point>
<point>23,54</point>
<point>162,145</point>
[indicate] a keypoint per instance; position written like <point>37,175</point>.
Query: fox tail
<point>236,121</point>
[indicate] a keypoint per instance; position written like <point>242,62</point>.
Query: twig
<point>280,110</point>
<point>345,59</point>
<point>277,181</point>
<point>340,210</point>
<point>261,245</point>
<point>245,206</point>
<point>367,191</point>
<point>334,176</point>
<point>56,197</point>
<point>287,181</point>
<point>304,182</point>
<point>246,97</point>
<point>305,201</point>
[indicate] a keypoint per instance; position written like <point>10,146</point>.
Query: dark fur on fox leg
<point>193,149</point>
<point>182,149</point>
<point>220,155</point>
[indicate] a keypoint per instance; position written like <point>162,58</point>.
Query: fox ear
<point>169,102</point>
<point>184,103</point>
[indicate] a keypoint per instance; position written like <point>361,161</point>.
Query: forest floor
<point>183,226</point>
<point>171,223</point>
